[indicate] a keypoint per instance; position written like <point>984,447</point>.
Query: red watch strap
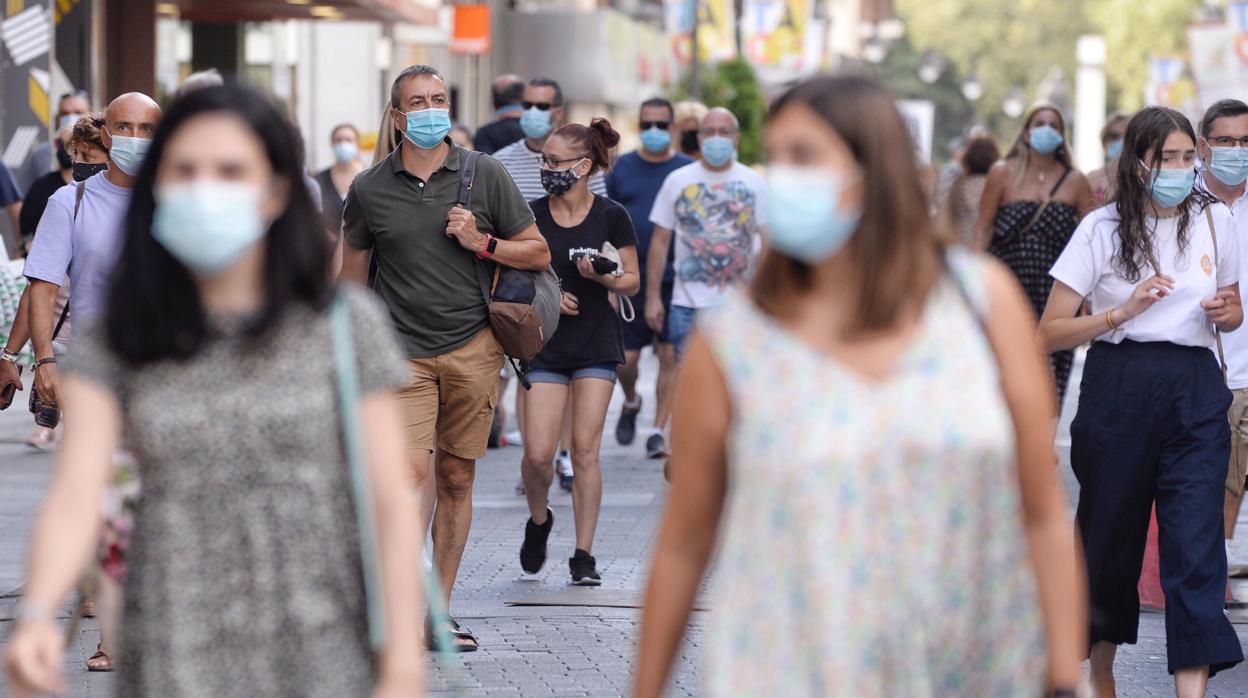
<point>491,243</point>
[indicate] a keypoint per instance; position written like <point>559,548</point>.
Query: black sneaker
<point>656,446</point>
<point>626,428</point>
<point>584,569</point>
<point>533,552</point>
<point>563,464</point>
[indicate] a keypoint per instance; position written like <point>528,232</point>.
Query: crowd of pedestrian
<point>859,370</point>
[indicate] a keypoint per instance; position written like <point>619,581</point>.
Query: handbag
<point>523,305</point>
<point>1237,467</point>
<point>623,304</point>
<point>348,393</point>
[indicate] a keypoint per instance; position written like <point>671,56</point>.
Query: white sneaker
<point>514,438</point>
<point>563,466</point>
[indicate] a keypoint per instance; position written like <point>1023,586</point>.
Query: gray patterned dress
<point>244,571</point>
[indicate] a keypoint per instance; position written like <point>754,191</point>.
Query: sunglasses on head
<point>542,106</point>
<point>661,125</point>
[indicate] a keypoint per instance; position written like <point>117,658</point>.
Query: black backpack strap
<point>81,189</point>
<point>467,175</point>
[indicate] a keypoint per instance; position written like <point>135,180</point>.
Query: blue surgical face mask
<point>1114,150</point>
<point>718,150</point>
<point>1229,165</point>
<point>1044,139</point>
<point>128,153</point>
<point>656,140</point>
<point>345,151</point>
<point>535,122</point>
<point>1171,187</point>
<point>428,127</point>
<point>207,224</point>
<point>804,216</point>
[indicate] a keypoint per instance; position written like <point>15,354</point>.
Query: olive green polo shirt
<point>427,280</point>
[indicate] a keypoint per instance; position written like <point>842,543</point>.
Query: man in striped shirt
<point>543,113</point>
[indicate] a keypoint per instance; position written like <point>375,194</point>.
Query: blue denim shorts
<point>680,324</point>
<point>564,376</point>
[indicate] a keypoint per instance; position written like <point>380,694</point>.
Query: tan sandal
<point>100,661</point>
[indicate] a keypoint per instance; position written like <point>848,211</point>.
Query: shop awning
<point>412,11</point>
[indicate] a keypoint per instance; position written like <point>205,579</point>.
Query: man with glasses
<point>544,113</point>
<point>712,211</point>
<point>1223,149</point>
<point>634,182</point>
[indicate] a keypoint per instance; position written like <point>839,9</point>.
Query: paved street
<point>565,650</point>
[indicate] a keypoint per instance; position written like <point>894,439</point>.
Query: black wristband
<point>44,362</point>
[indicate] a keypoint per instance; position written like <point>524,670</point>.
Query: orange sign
<point>472,29</point>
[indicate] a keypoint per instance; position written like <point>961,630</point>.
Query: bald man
<point>505,129</point>
<point>81,234</point>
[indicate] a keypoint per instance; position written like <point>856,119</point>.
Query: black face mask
<point>85,170</point>
<point>62,157</point>
<point>689,142</point>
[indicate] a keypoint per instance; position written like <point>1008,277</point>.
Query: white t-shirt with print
<point>1235,344</point>
<point>1087,266</point>
<point>715,219</point>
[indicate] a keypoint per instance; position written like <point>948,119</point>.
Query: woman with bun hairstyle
<point>580,361</point>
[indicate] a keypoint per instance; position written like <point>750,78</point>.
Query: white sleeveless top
<point>872,543</point>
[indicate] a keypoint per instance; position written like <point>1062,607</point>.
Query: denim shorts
<point>564,376</point>
<point>680,324</point>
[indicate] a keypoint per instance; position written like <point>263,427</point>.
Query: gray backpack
<point>524,305</point>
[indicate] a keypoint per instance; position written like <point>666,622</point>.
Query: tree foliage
<point>1133,30</point>
<point>734,86</point>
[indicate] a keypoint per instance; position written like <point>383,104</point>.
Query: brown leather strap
<point>1039,212</point>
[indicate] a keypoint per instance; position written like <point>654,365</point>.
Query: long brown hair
<point>895,248</point>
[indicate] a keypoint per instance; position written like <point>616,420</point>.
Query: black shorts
<point>637,334</point>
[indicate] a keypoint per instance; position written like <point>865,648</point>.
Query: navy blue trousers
<point>1152,425</point>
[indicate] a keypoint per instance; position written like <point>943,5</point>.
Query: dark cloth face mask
<point>689,142</point>
<point>558,182</point>
<point>85,170</point>
<point>62,157</point>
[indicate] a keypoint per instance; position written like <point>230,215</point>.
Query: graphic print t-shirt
<point>715,219</point>
<point>594,336</point>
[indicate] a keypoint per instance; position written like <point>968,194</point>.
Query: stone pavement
<point>572,650</point>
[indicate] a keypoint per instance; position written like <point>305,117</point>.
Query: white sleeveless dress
<point>872,543</point>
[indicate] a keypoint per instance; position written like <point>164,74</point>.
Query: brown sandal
<point>100,661</point>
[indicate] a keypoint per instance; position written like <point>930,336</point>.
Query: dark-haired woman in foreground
<point>873,424</point>
<point>215,360</point>
<point>1151,422</point>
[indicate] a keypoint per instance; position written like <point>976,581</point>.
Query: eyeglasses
<point>1229,142</point>
<point>542,106</point>
<point>727,132</point>
<point>554,164</point>
<point>661,125</point>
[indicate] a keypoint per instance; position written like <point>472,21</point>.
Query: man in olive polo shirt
<point>403,210</point>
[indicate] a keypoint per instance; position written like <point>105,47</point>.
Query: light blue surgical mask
<point>804,216</point>
<point>718,150</point>
<point>656,140</point>
<point>1114,150</point>
<point>1229,165</point>
<point>207,224</point>
<point>1171,187</point>
<point>1044,139</point>
<point>428,127</point>
<point>535,122</point>
<point>128,153</point>
<point>346,151</point>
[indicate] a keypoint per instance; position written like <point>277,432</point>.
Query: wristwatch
<point>491,243</point>
<point>45,362</point>
<point>11,357</point>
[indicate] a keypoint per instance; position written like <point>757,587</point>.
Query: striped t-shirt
<point>522,165</point>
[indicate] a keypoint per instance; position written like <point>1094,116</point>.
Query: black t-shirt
<point>595,335</point>
<point>497,135</point>
<point>36,201</point>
